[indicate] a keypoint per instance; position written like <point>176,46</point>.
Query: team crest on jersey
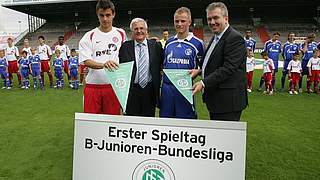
<point>188,52</point>
<point>115,39</point>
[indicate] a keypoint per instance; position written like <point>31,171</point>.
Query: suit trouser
<point>230,116</point>
<point>141,101</point>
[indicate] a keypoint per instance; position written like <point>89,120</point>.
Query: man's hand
<point>197,87</point>
<point>111,65</point>
<point>194,72</point>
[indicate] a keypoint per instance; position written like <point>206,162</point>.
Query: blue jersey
<point>3,65</point>
<point>182,54</point>
<point>24,63</point>
<point>35,62</point>
<point>250,44</point>
<point>288,50</point>
<point>309,53</point>
<point>58,64</point>
<point>73,62</point>
<point>273,49</point>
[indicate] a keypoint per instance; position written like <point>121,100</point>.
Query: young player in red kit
<point>250,68</point>
<point>314,71</point>
<point>45,53</point>
<point>294,70</point>
<point>268,68</point>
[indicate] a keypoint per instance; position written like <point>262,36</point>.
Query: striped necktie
<point>143,68</point>
<point>210,50</point>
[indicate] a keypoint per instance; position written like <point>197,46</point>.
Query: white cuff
<point>202,83</point>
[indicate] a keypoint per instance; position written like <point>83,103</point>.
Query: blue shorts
<point>305,70</point>
<point>173,104</point>
<point>276,66</point>
<point>4,74</point>
<point>74,73</point>
<point>35,72</point>
<point>58,74</point>
<point>25,73</point>
<point>285,66</point>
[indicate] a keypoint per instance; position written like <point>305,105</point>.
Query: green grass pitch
<point>36,134</point>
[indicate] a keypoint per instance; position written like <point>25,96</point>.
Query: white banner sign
<point>140,148</point>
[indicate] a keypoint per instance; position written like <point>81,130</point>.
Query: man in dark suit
<point>223,68</point>
<point>147,56</point>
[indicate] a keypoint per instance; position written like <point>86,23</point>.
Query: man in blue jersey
<point>289,48</point>
<point>273,48</point>
<point>250,42</point>
<point>307,50</point>
<point>183,51</point>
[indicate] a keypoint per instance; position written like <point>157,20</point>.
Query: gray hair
<point>136,20</point>
<point>220,5</point>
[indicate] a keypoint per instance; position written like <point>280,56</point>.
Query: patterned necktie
<point>143,67</point>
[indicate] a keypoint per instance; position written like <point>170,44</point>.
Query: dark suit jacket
<point>225,74</point>
<point>127,54</point>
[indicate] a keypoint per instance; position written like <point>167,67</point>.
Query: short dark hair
<point>165,29</point>
<point>311,35</point>
<point>276,33</point>
<point>61,37</point>
<point>73,50</point>
<point>105,4</point>
<point>264,53</point>
<point>41,37</point>
<point>25,52</point>
<point>296,54</point>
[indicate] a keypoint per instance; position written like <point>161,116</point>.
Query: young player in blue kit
<point>73,69</point>
<point>273,48</point>
<point>4,70</point>
<point>35,64</point>
<point>181,52</point>
<point>289,49</point>
<point>58,70</point>
<point>24,70</point>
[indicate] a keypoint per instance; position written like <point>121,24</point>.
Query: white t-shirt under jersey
<point>12,53</point>
<point>28,50</point>
<point>44,52</point>
<point>100,47</point>
<point>294,66</point>
<point>64,50</point>
<point>250,64</point>
<point>314,63</point>
<point>268,66</point>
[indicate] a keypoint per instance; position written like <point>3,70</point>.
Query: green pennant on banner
<point>120,80</point>
<point>181,79</point>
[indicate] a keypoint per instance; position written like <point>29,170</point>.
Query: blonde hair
<point>183,10</point>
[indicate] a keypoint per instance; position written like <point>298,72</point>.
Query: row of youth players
<point>294,69</point>
<point>274,49</point>
<point>37,61</point>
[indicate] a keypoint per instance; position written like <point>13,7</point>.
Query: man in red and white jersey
<point>65,54</point>
<point>26,47</point>
<point>45,54</point>
<point>99,48</point>
<point>12,56</point>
